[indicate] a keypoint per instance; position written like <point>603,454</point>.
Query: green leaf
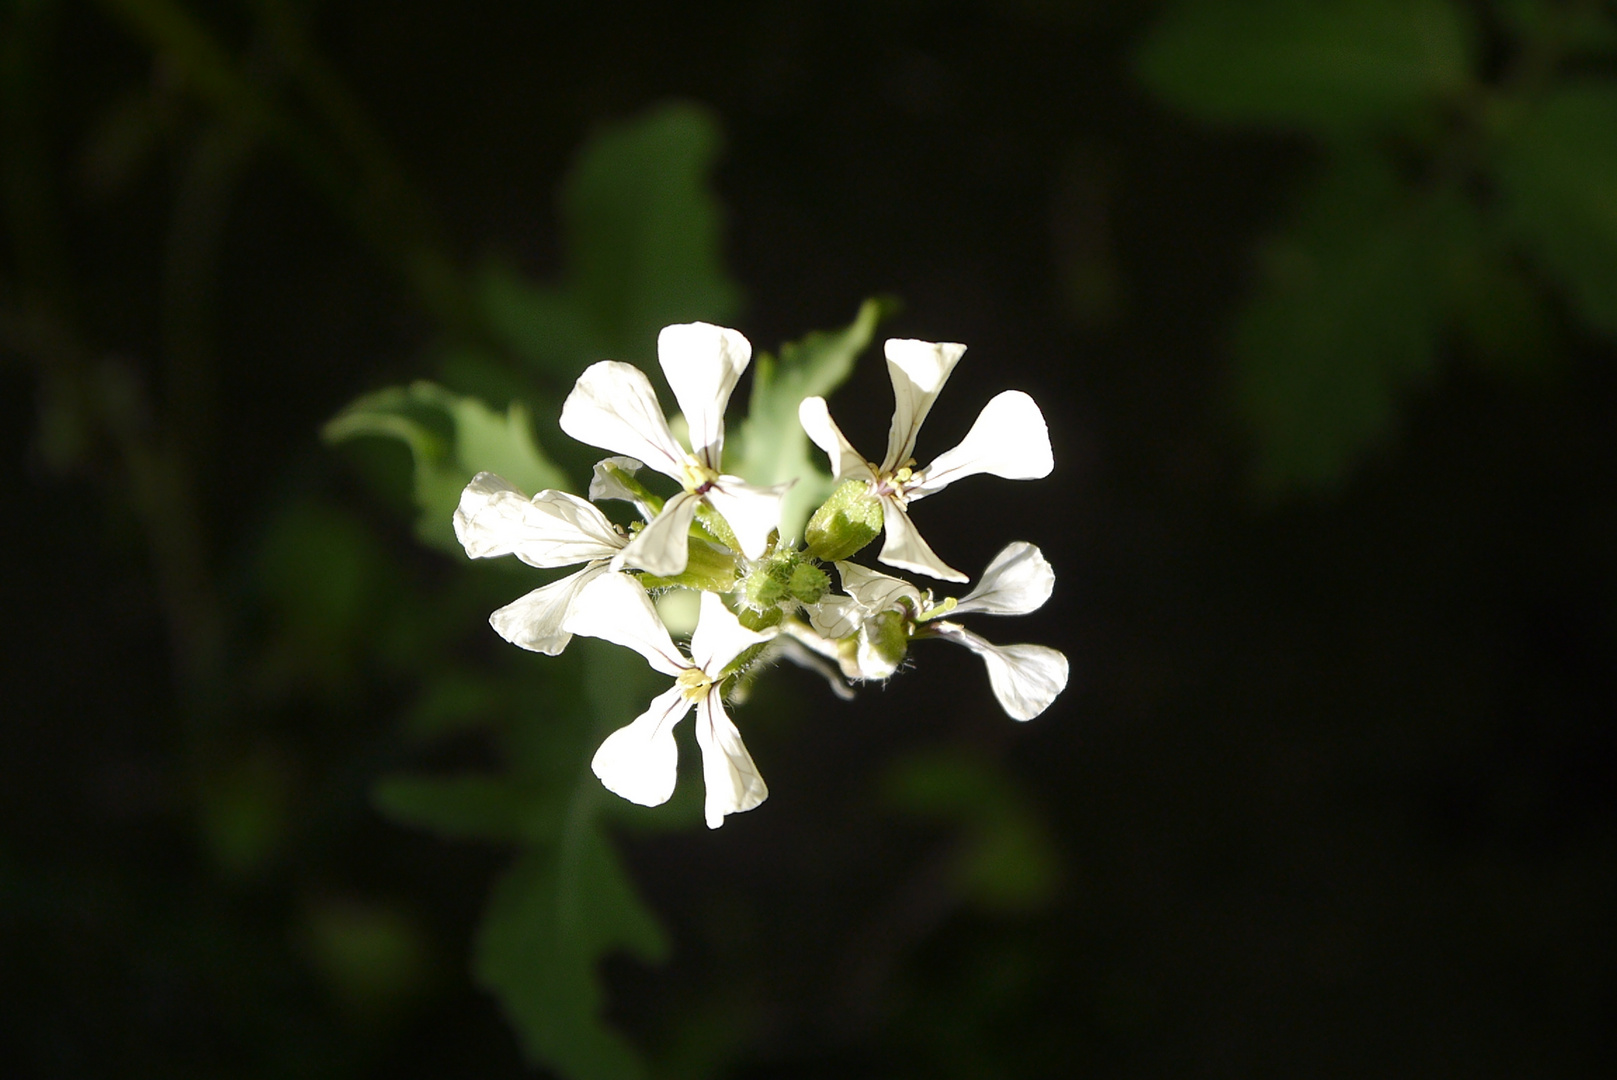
<point>553,915</point>
<point>771,447</point>
<point>1557,174</point>
<point>473,807</point>
<point>451,438</point>
<point>642,234</point>
<point>1343,325</point>
<point>1321,65</point>
<point>1007,861</point>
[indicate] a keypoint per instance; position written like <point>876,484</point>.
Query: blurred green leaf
<point>642,234</point>
<point>451,438</point>
<point>1008,861</point>
<point>373,957</point>
<point>1343,325</point>
<point>1557,174</point>
<point>770,447</point>
<point>475,807</point>
<point>1561,28</point>
<point>553,915</point>
<point>1320,65</point>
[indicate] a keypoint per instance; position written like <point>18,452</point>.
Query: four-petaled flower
<point>640,760</point>
<point>614,407</point>
<point>551,529</point>
<point>1025,678</point>
<point>1009,439</point>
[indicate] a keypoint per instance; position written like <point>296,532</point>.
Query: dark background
<point>1329,793</point>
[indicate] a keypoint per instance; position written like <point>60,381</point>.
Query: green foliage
<point>771,447</point>
<point>1007,861</point>
<point>552,915</point>
<point>451,438</point>
<point>1391,254</point>
<point>1318,65</point>
<point>1342,323</point>
<point>1557,172</point>
<point>642,236</point>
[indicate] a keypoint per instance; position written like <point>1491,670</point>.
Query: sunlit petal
<point>663,546</point>
<point>537,620</point>
<point>823,432</point>
<point>1025,678</point>
<point>1009,439</point>
<point>640,761</point>
<point>702,363</point>
<point>1018,581</point>
<point>719,637</point>
<point>836,616</point>
<point>614,407</point>
<point>732,780</point>
<point>918,370</point>
<point>615,608</point>
<point>753,512</point>
<point>604,482</point>
<point>876,591</point>
<point>551,529</point>
<point>905,549</point>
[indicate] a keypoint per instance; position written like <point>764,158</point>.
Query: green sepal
<point>845,523</point>
<point>758,621</point>
<point>707,567</point>
<point>887,633</point>
<point>712,522</point>
<point>654,503</point>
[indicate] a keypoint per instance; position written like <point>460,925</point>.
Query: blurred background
<point>1319,299</point>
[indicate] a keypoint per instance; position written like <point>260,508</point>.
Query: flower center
<point>698,478</point>
<point>894,484</point>
<point>693,683</point>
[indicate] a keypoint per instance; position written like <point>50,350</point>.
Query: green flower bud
<point>808,583</point>
<point>848,520</point>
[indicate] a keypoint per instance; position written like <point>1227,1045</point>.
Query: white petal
<point>719,636</point>
<point>1025,678</point>
<point>836,616</point>
<point>604,484</point>
<point>640,761</point>
<point>614,407</point>
<point>615,608</point>
<point>753,512</point>
<point>702,363</point>
<point>824,433</point>
<point>1009,439</point>
<point>536,621</point>
<point>663,546</point>
<point>918,370</point>
<point>800,654</point>
<point>1018,581</point>
<point>905,549</point>
<point>732,780</point>
<point>551,529</point>
<point>876,591</point>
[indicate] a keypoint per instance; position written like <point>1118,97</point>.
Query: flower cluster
<point>761,598</point>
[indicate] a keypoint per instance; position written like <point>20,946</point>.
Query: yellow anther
<point>693,683</point>
<point>903,475</point>
<point>697,476</point>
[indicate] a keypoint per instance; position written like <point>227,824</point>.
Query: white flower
<point>1009,439</point>
<point>639,761</point>
<point>551,529</point>
<point>614,407</point>
<point>1025,678</point>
